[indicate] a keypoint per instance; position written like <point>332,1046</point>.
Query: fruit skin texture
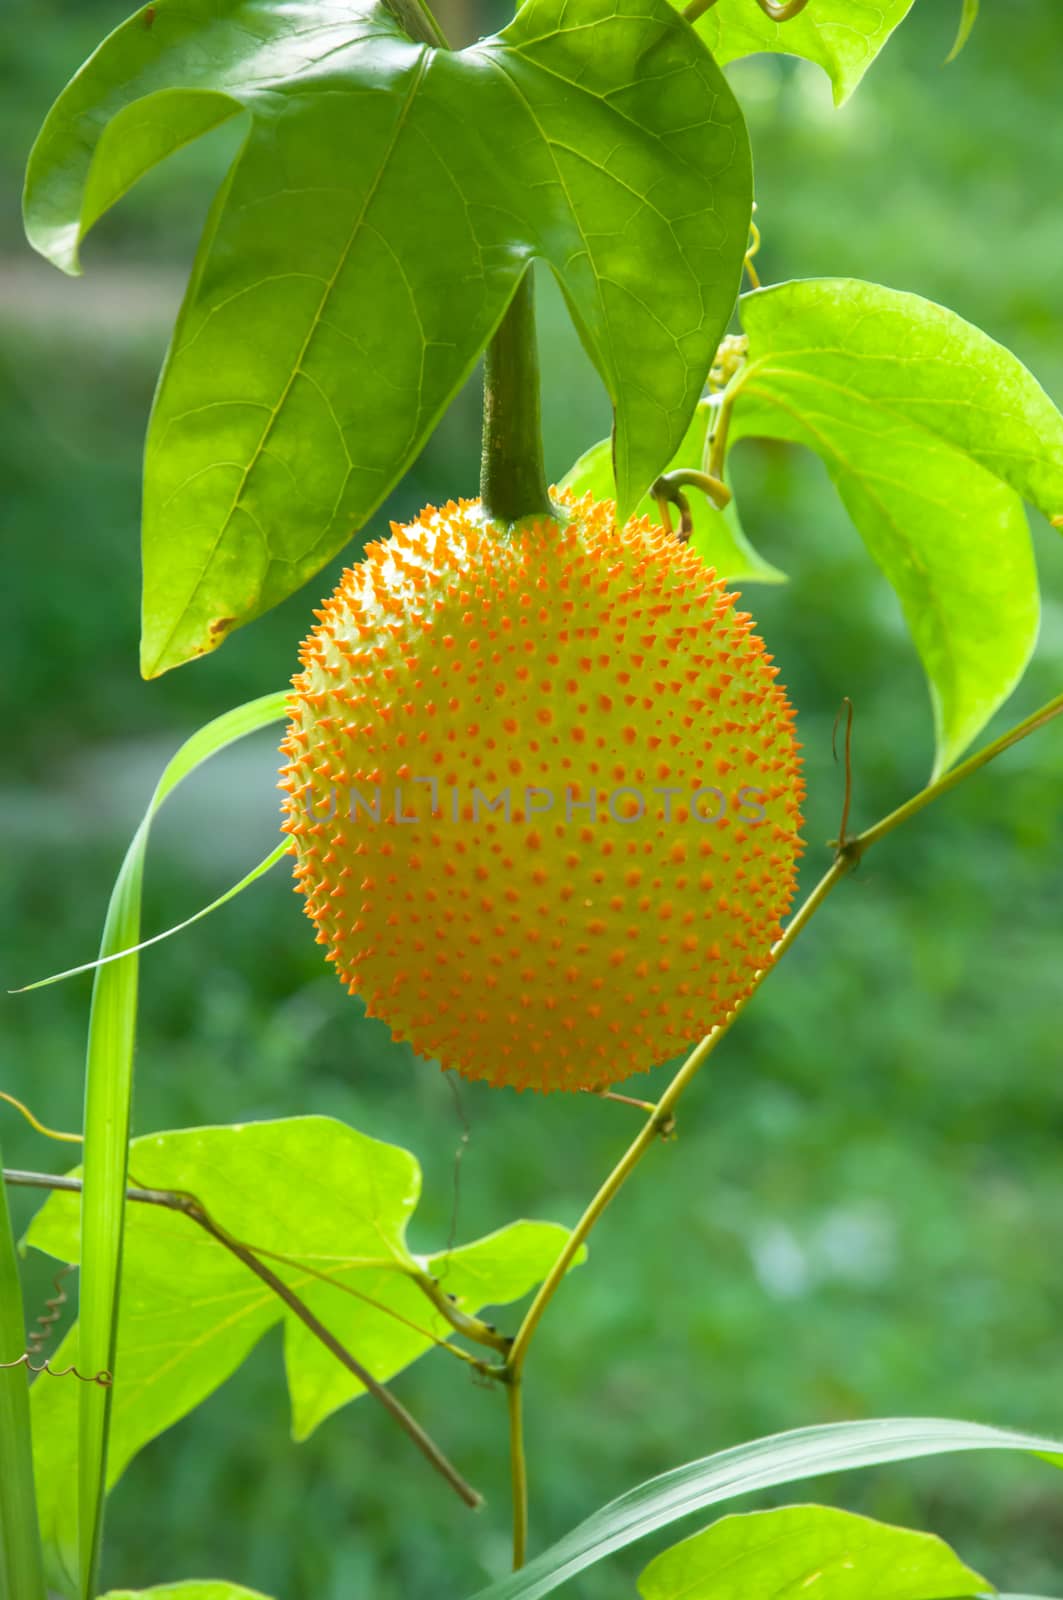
<point>559,948</point>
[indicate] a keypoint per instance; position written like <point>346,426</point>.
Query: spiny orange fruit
<point>543,791</point>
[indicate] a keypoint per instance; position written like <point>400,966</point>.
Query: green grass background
<point>863,1214</point>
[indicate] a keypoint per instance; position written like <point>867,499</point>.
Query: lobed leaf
<point>931,432</point>
<point>718,536</point>
<point>841,36</point>
<point>366,242</point>
<point>763,1555</point>
<point>762,1464</point>
<point>191,1311</point>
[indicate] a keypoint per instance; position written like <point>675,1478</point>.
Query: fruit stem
<point>512,474</point>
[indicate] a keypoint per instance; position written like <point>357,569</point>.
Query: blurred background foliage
<point>863,1214</point>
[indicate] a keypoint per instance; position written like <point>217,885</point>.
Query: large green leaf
<point>717,537</point>
<point>386,203</point>
<point>931,432</point>
<point>763,1464</point>
<point>310,1189</point>
<point>841,36</point>
<point>765,1555</point>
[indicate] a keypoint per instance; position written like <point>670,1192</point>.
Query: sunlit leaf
<point>763,1464</point>
<point>366,242</point>
<point>841,36</point>
<point>718,537</point>
<point>836,1555</point>
<point>310,1189</point>
<point>192,1589</point>
<point>931,432</point>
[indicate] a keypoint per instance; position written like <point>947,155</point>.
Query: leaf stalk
<point>512,474</point>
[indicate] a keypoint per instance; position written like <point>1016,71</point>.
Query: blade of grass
<point>21,1568</point>
<point>108,1093</point>
<point>762,1464</point>
<point>179,927</point>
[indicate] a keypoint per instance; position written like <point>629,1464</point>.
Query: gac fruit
<point>543,792</point>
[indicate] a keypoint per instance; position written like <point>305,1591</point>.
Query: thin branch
<point>981,758</point>
<point>661,1121</point>
<point>848,855</point>
<point>301,1265</point>
<point>187,1205</point>
<point>518,1471</point>
<point>845,710</point>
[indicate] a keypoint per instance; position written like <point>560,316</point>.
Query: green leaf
<point>763,1464</point>
<point>841,36</point>
<point>968,18</point>
<point>21,1571</point>
<point>765,1554</point>
<point>718,537</point>
<point>191,1311</point>
<point>931,431</point>
<point>195,1589</point>
<point>367,241</point>
<point>108,1094</point>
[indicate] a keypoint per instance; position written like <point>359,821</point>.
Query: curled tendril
<point>42,1331</point>
<point>37,1124</point>
<point>668,490</point>
<point>104,1379</point>
<point>753,247</point>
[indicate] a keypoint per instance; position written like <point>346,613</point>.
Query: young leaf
<point>968,18</point>
<point>108,1094</point>
<point>191,1310</point>
<point>193,1589</point>
<point>931,432</point>
<point>717,537</point>
<point>763,1464</point>
<point>764,1554</point>
<point>841,36</point>
<point>367,241</point>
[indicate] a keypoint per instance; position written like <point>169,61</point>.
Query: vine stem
<point>661,1114</point>
<point>518,1468</point>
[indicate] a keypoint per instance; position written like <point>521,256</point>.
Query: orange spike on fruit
<point>545,846</point>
